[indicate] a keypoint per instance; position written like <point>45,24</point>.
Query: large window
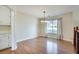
<point>52,27</point>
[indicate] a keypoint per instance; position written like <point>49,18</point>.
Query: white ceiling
<point>51,10</point>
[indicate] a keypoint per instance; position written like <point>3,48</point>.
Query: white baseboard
<point>14,48</point>
<point>26,39</point>
<point>68,40</point>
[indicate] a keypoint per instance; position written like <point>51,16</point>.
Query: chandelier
<point>44,17</point>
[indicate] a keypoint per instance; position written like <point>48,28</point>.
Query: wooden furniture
<point>77,42</point>
<point>75,31</point>
<point>76,39</point>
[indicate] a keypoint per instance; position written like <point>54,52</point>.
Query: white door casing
<point>13,41</point>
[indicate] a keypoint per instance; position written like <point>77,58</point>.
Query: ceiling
<point>51,10</point>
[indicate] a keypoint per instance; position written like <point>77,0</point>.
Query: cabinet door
<point>4,41</point>
<point>4,16</point>
<point>9,40</point>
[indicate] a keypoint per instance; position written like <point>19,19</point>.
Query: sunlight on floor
<point>51,47</point>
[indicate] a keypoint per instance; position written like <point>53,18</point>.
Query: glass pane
<point>52,26</point>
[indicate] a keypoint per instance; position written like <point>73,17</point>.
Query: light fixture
<point>44,18</point>
<point>44,14</point>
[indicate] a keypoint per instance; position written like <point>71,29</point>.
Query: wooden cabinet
<point>5,41</point>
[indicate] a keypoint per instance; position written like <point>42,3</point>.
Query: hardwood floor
<point>42,45</point>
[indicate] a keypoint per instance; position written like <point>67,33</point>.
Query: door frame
<point>12,23</point>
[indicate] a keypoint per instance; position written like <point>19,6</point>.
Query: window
<point>52,26</point>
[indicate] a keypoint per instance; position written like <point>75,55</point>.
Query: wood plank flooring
<point>42,45</point>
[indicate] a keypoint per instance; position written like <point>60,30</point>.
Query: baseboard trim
<point>26,39</point>
<point>67,41</point>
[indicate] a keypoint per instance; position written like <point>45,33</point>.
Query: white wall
<point>70,20</point>
<point>67,25</point>
<point>76,18</point>
<point>25,26</point>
